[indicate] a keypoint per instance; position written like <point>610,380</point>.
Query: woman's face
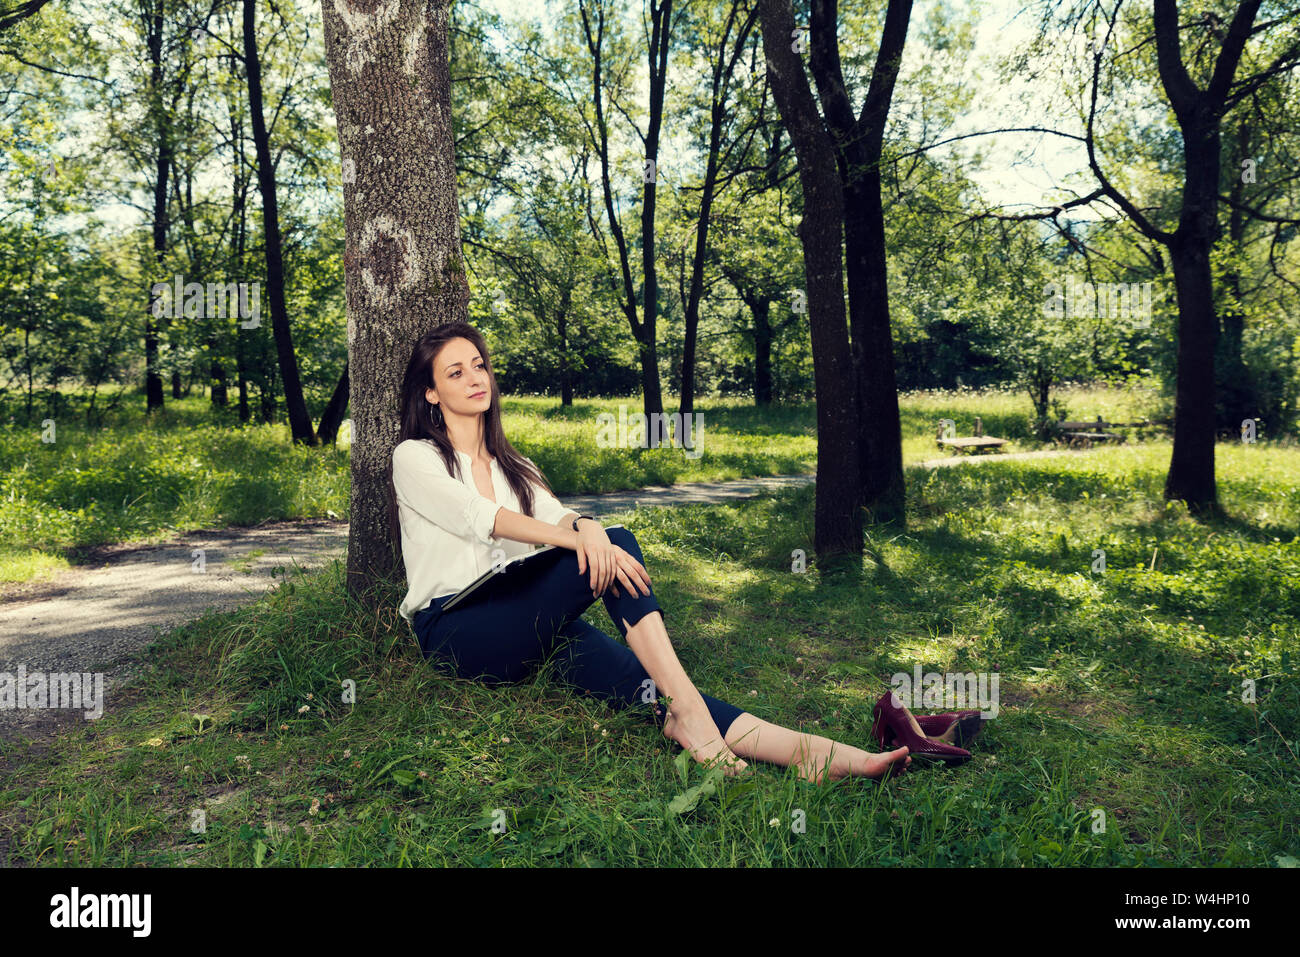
<point>461,384</point>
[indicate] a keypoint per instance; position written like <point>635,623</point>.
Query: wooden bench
<point>974,443</point>
<point>1082,434</point>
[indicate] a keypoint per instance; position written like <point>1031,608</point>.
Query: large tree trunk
<point>1200,114</point>
<point>838,516</point>
<point>403,268</point>
<point>860,142</point>
<point>295,405</point>
<point>883,491</point>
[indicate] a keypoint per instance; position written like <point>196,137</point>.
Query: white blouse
<point>447,539</point>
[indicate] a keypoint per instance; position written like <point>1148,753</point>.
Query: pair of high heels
<point>891,729</point>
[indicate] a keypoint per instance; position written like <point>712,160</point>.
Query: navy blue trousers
<point>523,617</point>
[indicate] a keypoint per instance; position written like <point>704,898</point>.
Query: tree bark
<point>838,516</point>
<point>403,267</point>
<point>1199,113</point>
<point>859,144</point>
<point>1191,466</point>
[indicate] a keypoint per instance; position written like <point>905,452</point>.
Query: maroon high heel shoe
<point>969,724</point>
<point>889,714</point>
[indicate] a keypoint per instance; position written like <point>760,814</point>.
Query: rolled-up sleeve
<point>546,507</point>
<point>423,484</point>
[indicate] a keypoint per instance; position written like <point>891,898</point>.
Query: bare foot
<point>878,764</point>
<point>699,736</point>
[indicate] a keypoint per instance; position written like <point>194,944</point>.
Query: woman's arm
<point>422,484</point>
<point>521,528</point>
<point>597,555</point>
<point>595,551</point>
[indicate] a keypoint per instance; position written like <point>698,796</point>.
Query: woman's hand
<point>608,561</point>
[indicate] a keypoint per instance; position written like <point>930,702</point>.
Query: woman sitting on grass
<point>466,500</point>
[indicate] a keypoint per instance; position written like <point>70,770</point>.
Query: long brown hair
<point>418,420</point>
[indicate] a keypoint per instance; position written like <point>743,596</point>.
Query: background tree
<point>299,421</point>
<point>837,510</point>
<point>1225,62</point>
<point>608,79</point>
<point>859,145</point>
<point>718,39</point>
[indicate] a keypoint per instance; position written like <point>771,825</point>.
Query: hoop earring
<point>437,421</point>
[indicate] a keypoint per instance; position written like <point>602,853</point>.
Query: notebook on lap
<point>511,566</point>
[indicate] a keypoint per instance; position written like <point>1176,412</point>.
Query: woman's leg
<point>513,622</point>
<point>596,664</point>
<point>516,620</point>
<point>690,722</point>
<point>818,758</point>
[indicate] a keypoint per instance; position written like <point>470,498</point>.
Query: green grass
<point>138,480</point>
<point>1120,693</point>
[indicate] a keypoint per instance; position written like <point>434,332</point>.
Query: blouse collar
<point>464,457</point>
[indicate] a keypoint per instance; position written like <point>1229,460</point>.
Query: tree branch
<point>12,16</point>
